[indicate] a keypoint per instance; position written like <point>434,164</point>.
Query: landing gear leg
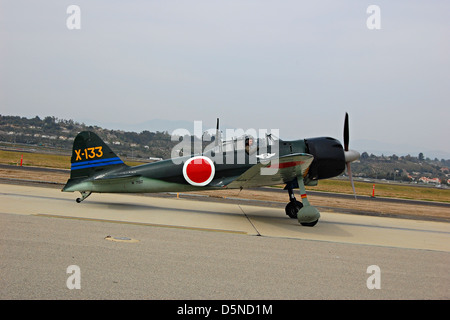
<point>308,216</point>
<point>84,195</point>
<point>293,206</point>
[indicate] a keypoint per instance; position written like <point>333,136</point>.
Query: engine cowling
<point>329,157</point>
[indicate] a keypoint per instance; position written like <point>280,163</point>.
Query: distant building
<point>430,180</point>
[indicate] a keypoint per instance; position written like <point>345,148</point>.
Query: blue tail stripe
<point>95,163</point>
<point>98,165</point>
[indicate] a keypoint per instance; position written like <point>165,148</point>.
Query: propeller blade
<point>349,172</point>
<point>350,155</point>
<point>346,132</point>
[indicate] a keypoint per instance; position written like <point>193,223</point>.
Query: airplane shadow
<point>256,215</point>
<point>117,206</point>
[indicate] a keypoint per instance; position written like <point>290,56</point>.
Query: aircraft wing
<point>277,171</point>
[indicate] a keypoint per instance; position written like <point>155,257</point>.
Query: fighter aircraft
<point>234,164</point>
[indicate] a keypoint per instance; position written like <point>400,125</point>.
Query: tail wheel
<point>84,195</point>
<point>292,208</point>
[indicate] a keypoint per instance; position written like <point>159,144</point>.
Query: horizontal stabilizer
<point>116,178</point>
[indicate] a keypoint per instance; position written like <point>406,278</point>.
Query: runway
<point>170,248</point>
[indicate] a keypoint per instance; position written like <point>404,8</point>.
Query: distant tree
<point>421,157</point>
<point>36,120</point>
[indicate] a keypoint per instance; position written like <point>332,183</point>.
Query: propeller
<point>350,155</point>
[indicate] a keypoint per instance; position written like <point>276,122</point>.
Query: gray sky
<point>296,66</point>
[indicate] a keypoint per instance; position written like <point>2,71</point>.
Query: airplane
<point>95,168</point>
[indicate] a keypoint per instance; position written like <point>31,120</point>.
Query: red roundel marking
<point>198,171</point>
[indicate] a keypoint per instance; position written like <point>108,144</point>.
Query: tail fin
<point>90,155</point>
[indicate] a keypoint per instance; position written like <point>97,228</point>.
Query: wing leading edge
<point>277,171</point>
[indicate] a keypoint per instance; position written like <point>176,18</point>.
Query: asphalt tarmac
<point>150,247</point>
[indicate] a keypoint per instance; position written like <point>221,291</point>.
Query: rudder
<point>90,155</point>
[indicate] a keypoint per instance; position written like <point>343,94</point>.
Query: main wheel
<point>292,208</point>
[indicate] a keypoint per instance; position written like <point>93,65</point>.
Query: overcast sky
<point>296,66</point>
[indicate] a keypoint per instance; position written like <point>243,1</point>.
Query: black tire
<point>293,208</point>
<point>309,224</point>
